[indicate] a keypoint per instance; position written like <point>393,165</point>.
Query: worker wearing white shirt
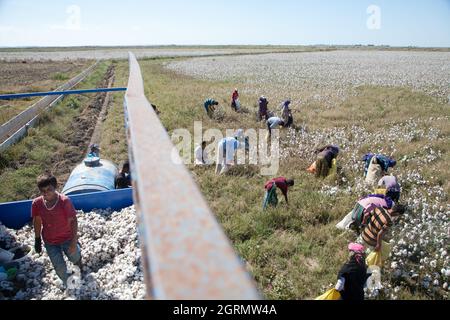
<point>201,156</point>
<point>273,123</point>
<point>226,151</point>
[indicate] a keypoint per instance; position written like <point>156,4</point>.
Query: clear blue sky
<point>185,22</point>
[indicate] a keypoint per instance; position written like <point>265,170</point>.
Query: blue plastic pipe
<point>57,93</point>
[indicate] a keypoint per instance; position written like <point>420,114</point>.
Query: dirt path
<point>97,135</point>
<point>81,131</point>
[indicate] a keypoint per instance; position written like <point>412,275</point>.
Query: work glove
<point>38,245</point>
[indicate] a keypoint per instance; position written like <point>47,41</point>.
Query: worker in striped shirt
<point>379,222</point>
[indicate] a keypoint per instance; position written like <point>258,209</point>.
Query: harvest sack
<point>331,294</point>
<point>374,173</point>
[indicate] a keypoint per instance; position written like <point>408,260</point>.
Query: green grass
<point>60,76</point>
<point>113,142</point>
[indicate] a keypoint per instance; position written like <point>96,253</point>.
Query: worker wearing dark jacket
<point>123,179</point>
<point>263,112</point>
<point>353,275</point>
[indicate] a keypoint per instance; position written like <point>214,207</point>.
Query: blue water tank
<point>87,178</point>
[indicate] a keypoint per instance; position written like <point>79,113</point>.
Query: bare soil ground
<point>26,76</point>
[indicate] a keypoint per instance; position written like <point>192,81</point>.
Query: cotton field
<point>419,258</point>
<point>334,71</point>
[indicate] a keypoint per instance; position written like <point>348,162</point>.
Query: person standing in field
<point>235,103</point>
<point>55,222</point>
<point>263,112</point>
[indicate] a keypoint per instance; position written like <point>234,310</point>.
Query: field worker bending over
<point>201,156</point>
<point>392,187</point>
<point>271,186</point>
<point>376,166</point>
<point>274,123</point>
<point>226,151</point>
<point>353,275</point>
<point>325,157</point>
<point>210,106</point>
<point>235,103</point>
<point>54,218</point>
<point>362,210</point>
<point>379,222</point>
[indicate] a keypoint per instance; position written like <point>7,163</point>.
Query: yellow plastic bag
<point>380,191</point>
<point>374,259</point>
<point>331,294</point>
<point>378,258</point>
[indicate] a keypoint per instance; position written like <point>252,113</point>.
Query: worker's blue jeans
<point>55,252</point>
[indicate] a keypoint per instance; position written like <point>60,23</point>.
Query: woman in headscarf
<point>353,275</point>
<point>324,160</point>
<point>235,104</point>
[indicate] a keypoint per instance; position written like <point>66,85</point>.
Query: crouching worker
<point>324,162</point>
<point>210,106</point>
<point>353,275</point>
<point>54,217</point>
<point>123,179</point>
<point>271,186</point>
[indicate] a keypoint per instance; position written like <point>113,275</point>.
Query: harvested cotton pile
<point>111,259</point>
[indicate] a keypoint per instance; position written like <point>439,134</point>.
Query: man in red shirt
<point>271,196</point>
<point>55,218</point>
